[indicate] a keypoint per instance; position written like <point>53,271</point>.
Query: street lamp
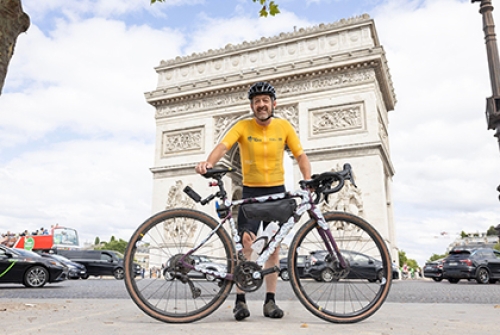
<point>493,102</point>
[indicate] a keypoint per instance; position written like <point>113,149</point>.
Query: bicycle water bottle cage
<point>278,210</point>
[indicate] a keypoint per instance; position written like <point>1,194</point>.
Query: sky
<point>77,136</point>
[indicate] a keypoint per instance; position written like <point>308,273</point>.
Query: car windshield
<point>26,253</point>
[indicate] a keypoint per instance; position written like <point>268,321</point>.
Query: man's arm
<point>216,154</point>
<point>304,166</point>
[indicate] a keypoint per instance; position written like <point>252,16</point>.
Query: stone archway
<point>333,85</point>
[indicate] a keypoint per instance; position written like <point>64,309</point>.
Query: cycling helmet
<point>261,87</point>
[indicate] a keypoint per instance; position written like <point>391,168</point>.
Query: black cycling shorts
<point>251,225</point>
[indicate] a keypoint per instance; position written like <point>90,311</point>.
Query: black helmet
<point>261,87</point>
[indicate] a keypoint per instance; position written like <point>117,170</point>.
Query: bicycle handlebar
<point>321,184</point>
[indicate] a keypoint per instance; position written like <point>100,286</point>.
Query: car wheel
<point>437,279</point>
<point>285,275</point>
<point>168,275</point>
<point>119,273</point>
<point>453,280</point>
<point>482,276</point>
<point>210,277</point>
<point>327,275</point>
<point>36,276</point>
<point>85,276</point>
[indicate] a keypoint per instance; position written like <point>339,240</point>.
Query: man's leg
<point>240,310</point>
<point>270,308</point>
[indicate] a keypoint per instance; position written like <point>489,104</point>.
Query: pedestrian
<point>262,140</point>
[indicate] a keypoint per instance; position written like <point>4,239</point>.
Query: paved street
<point>413,307</point>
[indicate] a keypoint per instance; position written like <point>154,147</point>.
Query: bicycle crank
<point>244,276</point>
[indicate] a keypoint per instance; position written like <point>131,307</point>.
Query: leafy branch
<point>268,7</point>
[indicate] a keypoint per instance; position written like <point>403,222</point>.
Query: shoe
<point>271,310</point>
<point>241,311</point>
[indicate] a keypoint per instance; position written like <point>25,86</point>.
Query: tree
<point>492,231</point>
<point>435,257</point>
<point>97,240</point>
<point>13,22</point>
<point>114,244</point>
<point>268,7</point>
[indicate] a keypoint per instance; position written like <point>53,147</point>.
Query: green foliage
<point>403,259</point>
<point>463,234</point>
<point>268,7</point>
<point>116,245</point>
<point>97,240</point>
<point>435,257</point>
<point>492,231</point>
<point>497,246</point>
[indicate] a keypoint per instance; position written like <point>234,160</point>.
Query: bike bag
<point>278,210</point>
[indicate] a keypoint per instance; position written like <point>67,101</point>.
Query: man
<point>262,140</point>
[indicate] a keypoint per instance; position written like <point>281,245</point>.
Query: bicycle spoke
<point>339,294</point>
<point>174,292</point>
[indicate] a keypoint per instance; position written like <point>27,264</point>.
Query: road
<point>102,307</point>
<point>402,291</point>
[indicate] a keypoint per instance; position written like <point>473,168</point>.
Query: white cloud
<point>446,161</point>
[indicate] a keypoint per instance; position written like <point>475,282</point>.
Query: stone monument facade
<point>333,85</point>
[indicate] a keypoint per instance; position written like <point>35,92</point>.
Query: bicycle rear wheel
<point>169,291</point>
<point>335,294</point>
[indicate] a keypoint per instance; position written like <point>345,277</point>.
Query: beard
<point>261,116</point>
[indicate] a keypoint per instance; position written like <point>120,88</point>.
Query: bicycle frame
<point>306,205</point>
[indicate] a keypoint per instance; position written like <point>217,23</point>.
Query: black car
<point>481,264</point>
<point>76,270</point>
<point>434,270</point>
<point>301,263</point>
<point>319,266</point>
<point>29,268</point>
<point>99,262</point>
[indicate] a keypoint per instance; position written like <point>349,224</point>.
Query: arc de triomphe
<point>333,85</point>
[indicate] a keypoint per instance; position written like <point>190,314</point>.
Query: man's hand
<point>202,167</point>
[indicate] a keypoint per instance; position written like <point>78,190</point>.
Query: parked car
<point>301,263</point>
<point>315,266</point>
<point>99,262</point>
<point>318,266</point>
<point>204,262</point>
<point>76,270</point>
<point>481,264</point>
<point>434,270</point>
<point>28,268</point>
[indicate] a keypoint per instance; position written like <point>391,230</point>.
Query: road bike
<point>337,287</point>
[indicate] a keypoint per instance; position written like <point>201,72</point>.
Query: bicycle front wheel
<point>168,290</point>
<point>334,293</point>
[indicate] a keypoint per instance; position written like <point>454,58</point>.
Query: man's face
<point>262,106</point>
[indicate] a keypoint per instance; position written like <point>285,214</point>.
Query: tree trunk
<point>13,22</point>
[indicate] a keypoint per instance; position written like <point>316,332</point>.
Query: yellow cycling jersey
<point>262,148</point>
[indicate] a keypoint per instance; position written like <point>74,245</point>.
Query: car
<point>481,264</point>
<point>319,266</point>
<point>434,270</point>
<point>76,270</point>
<point>301,263</point>
<point>203,262</point>
<point>99,262</point>
<point>28,268</point>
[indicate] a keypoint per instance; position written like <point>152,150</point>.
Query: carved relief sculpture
<point>183,227</point>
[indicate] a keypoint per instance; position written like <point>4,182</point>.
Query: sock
<point>240,297</point>
<point>269,296</point>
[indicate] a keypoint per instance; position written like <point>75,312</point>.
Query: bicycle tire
<point>166,234</point>
<point>355,294</point>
